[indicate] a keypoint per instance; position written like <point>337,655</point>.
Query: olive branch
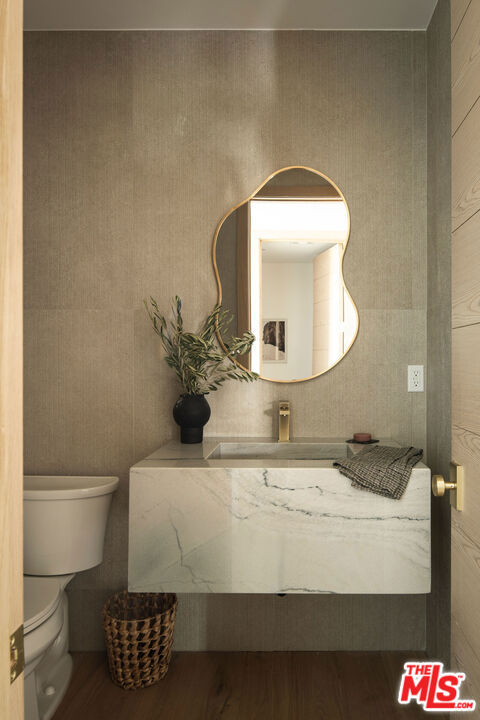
<point>200,363</point>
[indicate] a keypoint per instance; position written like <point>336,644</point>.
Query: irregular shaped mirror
<point>278,262</point>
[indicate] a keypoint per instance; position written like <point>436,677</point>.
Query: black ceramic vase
<point>191,412</point>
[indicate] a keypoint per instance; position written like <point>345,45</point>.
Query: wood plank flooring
<point>247,686</point>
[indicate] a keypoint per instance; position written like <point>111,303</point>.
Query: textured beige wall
<point>136,144</point>
<point>439,320</point>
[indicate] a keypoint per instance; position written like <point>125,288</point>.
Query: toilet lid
<point>41,596</point>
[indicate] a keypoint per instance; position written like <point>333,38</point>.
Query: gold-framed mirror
<point>278,262</point>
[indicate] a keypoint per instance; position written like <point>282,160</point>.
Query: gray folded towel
<point>381,469</point>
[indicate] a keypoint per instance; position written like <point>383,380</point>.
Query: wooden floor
<point>247,686</point>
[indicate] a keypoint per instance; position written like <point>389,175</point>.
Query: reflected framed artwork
<point>274,345</point>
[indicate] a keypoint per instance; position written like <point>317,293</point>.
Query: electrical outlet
<point>415,378</point>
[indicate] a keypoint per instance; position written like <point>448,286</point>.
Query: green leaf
<point>199,361</point>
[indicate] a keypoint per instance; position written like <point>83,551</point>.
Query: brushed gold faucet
<point>283,421</point>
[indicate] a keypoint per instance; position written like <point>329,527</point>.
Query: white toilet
<point>64,530</point>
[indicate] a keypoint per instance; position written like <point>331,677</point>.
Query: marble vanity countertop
<point>174,454</point>
<point>266,524</point>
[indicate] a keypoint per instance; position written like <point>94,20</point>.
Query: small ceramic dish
<point>362,442</point>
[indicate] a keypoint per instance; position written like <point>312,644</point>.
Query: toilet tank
<point>65,519</point>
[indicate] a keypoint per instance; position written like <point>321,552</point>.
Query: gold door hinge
<point>17,655</point>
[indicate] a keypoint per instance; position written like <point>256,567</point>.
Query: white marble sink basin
<point>287,451</point>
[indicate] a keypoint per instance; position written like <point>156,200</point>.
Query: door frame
<point>11,354</point>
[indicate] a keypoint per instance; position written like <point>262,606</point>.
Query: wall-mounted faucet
<point>283,421</point>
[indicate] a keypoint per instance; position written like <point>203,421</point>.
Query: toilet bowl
<point>65,520</point>
<point>48,665</point>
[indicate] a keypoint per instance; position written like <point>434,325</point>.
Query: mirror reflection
<point>278,260</point>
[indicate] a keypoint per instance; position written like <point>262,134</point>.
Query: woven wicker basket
<point>139,637</point>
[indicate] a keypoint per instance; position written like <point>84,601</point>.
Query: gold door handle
<point>455,484</point>
<point>439,485</point>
